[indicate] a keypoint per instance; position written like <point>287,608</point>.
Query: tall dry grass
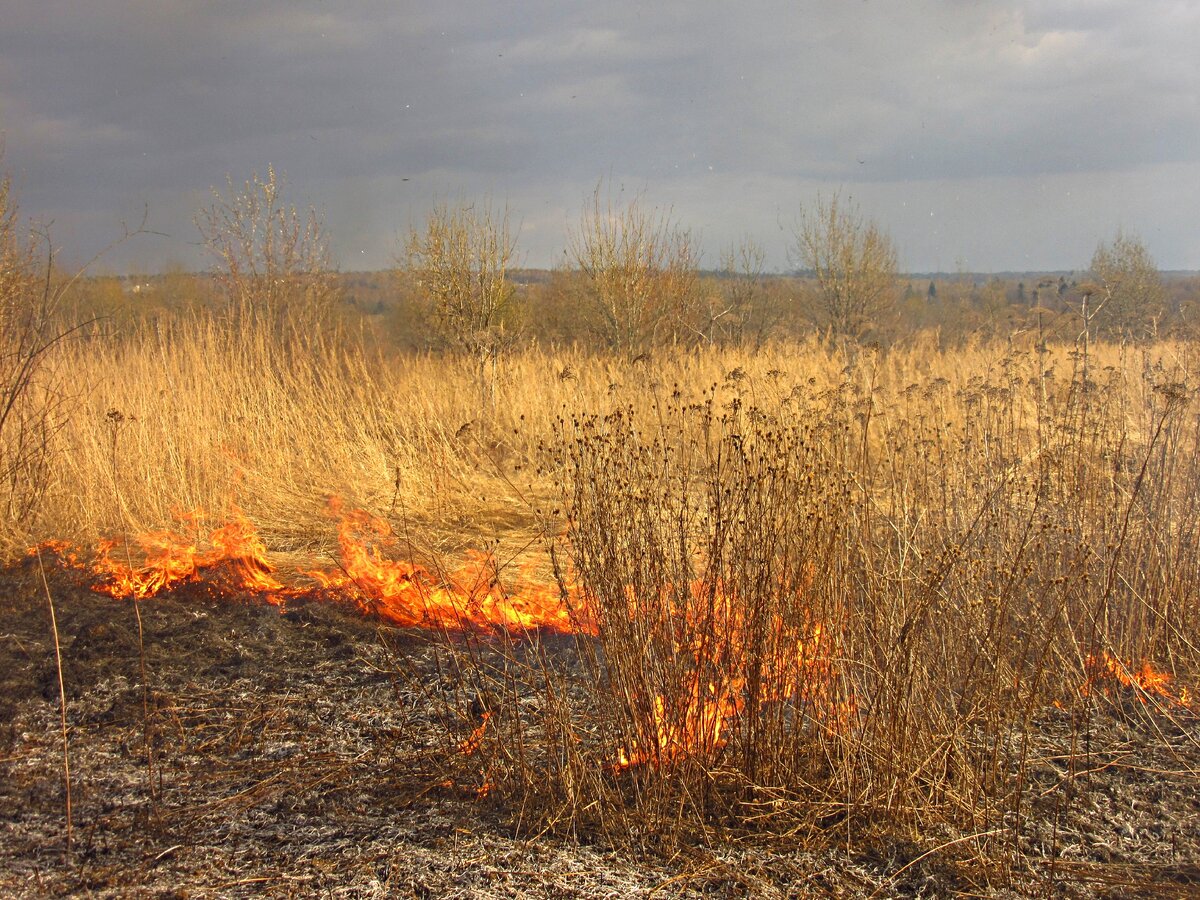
<point>210,414</point>
<point>888,579</point>
<point>887,566</point>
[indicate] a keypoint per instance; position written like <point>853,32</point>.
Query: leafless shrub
<point>1128,297</point>
<point>641,269</point>
<point>853,262</point>
<point>460,262</point>
<point>272,260</point>
<point>741,313</point>
<point>710,583</point>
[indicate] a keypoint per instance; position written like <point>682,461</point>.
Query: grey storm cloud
<point>1001,135</point>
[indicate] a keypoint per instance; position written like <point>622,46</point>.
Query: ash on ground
<point>315,752</point>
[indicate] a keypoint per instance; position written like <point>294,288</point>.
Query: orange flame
<point>408,595</point>
<point>1106,671</point>
<point>697,732</point>
<point>471,745</point>
<point>694,721</point>
<point>168,560</point>
<point>63,551</point>
<point>403,593</point>
<point>238,545</point>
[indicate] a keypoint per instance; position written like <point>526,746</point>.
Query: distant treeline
<point>550,307</point>
<point>631,283</point>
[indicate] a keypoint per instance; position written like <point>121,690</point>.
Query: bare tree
<point>460,261</point>
<point>1128,297</point>
<point>272,261</point>
<point>743,307</point>
<point>853,261</point>
<point>641,271</point>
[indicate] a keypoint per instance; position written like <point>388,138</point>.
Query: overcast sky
<point>984,136</point>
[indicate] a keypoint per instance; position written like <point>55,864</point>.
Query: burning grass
<point>800,596</point>
<point>236,562</point>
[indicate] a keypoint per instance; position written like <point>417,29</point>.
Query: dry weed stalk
<point>36,388</point>
<point>62,707</point>
<point>115,420</point>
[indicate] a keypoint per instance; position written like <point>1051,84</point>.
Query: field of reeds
<point>830,597</point>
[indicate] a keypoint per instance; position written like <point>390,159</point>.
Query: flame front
<point>169,559</point>
<point>234,559</point>
<point>693,718</point>
<point>409,595</point>
<point>1106,671</point>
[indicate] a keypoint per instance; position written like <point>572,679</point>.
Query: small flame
<point>408,595</point>
<point>1106,671</point>
<point>697,732</point>
<point>697,723</point>
<point>237,543</point>
<point>63,551</point>
<point>471,745</point>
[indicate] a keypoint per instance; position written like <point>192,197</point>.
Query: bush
<point>272,261</point>
<point>641,272</point>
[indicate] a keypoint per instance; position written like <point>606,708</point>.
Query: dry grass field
<point>286,612</point>
<point>704,622</point>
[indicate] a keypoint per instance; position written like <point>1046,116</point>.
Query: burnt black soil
<point>313,752</point>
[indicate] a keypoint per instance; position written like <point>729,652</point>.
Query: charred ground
<point>315,751</point>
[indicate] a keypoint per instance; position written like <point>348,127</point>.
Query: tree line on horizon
<point>632,282</point>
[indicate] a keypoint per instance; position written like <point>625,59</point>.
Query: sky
<point>983,136</point>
